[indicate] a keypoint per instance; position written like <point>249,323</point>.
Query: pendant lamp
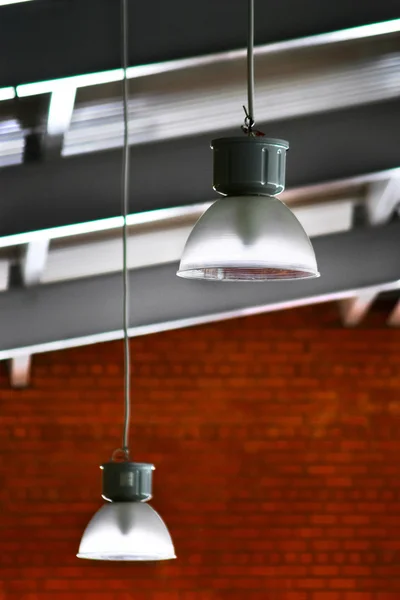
<point>125,528</point>
<point>249,235</point>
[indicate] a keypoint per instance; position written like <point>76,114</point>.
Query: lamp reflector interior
<point>248,238</point>
<point>126,531</point>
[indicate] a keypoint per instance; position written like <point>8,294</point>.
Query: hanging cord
<point>125,207</point>
<point>249,120</point>
<point>249,112</point>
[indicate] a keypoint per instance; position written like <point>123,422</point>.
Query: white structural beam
<point>20,370</point>
<point>34,262</point>
<point>164,244</point>
<point>6,2</point>
<point>394,318</point>
<point>105,256</point>
<point>4,274</point>
<point>355,306</point>
<point>383,198</point>
<point>35,253</point>
<point>61,107</point>
<point>361,32</point>
<point>326,218</point>
<point>349,188</point>
<point>208,97</point>
<point>32,267</point>
<point>354,309</point>
<point>87,310</point>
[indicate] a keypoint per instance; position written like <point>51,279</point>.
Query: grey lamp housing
<point>126,528</point>
<point>249,235</point>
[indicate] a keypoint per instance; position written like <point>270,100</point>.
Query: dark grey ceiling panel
<point>47,39</point>
<point>36,317</point>
<point>323,147</point>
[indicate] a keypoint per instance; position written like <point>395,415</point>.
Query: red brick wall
<point>277,445</point>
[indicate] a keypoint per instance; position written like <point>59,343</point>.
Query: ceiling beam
<point>394,318</point>
<point>33,263</point>
<point>207,97</point>
<point>4,274</point>
<point>96,41</point>
<point>337,198</point>
<point>31,113</point>
<point>354,309</point>
<point>20,371</point>
<point>383,198</point>
<point>178,172</point>
<point>164,243</point>
<point>62,102</point>
<point>32,267</point>
<point>85,311</point>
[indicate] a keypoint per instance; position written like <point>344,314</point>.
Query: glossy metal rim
<point>197,272</point>
<point>125,557</point>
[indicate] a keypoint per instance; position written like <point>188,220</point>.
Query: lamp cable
<point>125,208</point>
<point>250,66</point>
<point>249,120</point>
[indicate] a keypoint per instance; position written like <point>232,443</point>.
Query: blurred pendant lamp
<point>125,528</point>
<point>249,235</point>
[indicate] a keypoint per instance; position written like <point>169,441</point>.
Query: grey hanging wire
<point>250,64</point>
<point>249,121</point>
<point>125,208</point>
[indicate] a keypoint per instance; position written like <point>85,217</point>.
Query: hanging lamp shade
<point>249,235</point>
<point>126,528</point>
<point>129,531</point>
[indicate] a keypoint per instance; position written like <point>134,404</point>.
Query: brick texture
<point>277,445</point>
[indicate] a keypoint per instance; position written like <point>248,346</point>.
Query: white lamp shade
<point>248,238</point>
<point>126,531</point>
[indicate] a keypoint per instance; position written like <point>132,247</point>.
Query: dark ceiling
<point>54,38</point>
<point>324,146</point>
<point>47,39</point>
<point>335,136</point>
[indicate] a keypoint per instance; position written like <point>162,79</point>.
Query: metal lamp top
<point>249,165</point>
